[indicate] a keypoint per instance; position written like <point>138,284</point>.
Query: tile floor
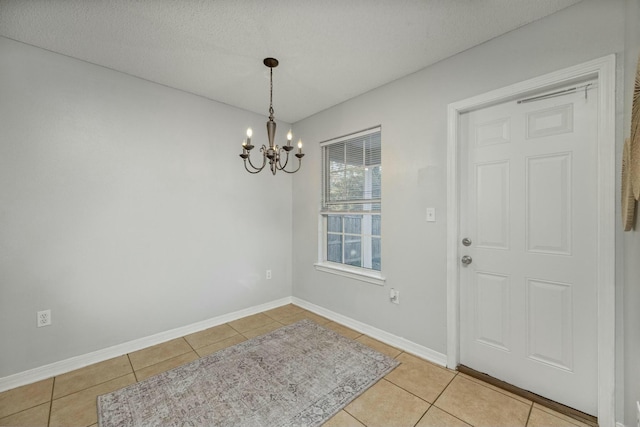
<point>417,393</point>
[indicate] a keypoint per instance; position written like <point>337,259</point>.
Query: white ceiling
<point>329,50</point>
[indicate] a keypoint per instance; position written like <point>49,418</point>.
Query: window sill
<point>364,275</point>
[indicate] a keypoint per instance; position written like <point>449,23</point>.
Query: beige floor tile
<point>301,316</point>
<point>251,322</point>
<point>33,417</point>
<point>262,330</point>
<point>385,405</point>
<point>559,415</point>
<point>315,317</point>
<point>436,417</point>
<point>424,379</point>
<point>515,396</point>
<point>280,313</point>
<point>342,419</point>
<point>159,353</point>
<point>540,418</point>
<point>379,346</point>
<point>212,348</point>
<point>166,365</point>
<point>91,375</point>
<point>290,320</point>
<point>210,336</point>
<point>481,406</point>
<point>25,397</point>
<point>342,330</point>
<point>80,409</point>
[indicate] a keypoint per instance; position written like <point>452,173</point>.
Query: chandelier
<point>273,153</point>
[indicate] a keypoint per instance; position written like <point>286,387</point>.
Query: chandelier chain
<point>271,94</point>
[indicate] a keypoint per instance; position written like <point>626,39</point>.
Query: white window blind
<point>352,173</point>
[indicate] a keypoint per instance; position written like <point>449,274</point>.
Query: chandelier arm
<point>264,160</point>
<point>299,164</point>
<point>280,165</point>
<point>256,170</point>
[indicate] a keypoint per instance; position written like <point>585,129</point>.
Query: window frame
<point>345,270</point>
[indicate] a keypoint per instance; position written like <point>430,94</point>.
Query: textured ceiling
<point>329,50</point>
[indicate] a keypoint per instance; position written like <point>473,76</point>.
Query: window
<point>351,203</point>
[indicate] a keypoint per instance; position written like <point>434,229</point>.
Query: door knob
<point>466,260</point>
<point>466,241</point>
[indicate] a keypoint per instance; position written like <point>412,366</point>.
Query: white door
<point>528,302</point>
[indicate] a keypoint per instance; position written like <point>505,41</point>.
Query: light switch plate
<point>431,214</point>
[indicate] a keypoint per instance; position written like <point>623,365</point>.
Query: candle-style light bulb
<point>289,136</point>
<point>300,146</point>
<point>248,140</point>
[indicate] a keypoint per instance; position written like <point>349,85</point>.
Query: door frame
<point>602,69</point>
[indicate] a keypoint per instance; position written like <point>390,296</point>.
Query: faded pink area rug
<point>298,375</point>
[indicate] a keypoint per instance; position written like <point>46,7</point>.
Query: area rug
<point>298,375</point>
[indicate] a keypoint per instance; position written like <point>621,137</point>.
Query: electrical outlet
<point>43,318</point>
<point>268,274</point>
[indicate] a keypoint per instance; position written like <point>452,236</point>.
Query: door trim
<point>602,69</point>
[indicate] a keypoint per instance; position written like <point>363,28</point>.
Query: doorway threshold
<point>558,407</point>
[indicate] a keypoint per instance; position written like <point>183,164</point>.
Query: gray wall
<point>125,209</point>
<point>117,213</point>
<point>413,115</point>
<point>631,240</point>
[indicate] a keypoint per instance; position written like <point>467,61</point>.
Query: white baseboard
<point>77,362</point>
<point>387,338</point>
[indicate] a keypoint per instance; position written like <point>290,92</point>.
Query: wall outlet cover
<point>43,318</point>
